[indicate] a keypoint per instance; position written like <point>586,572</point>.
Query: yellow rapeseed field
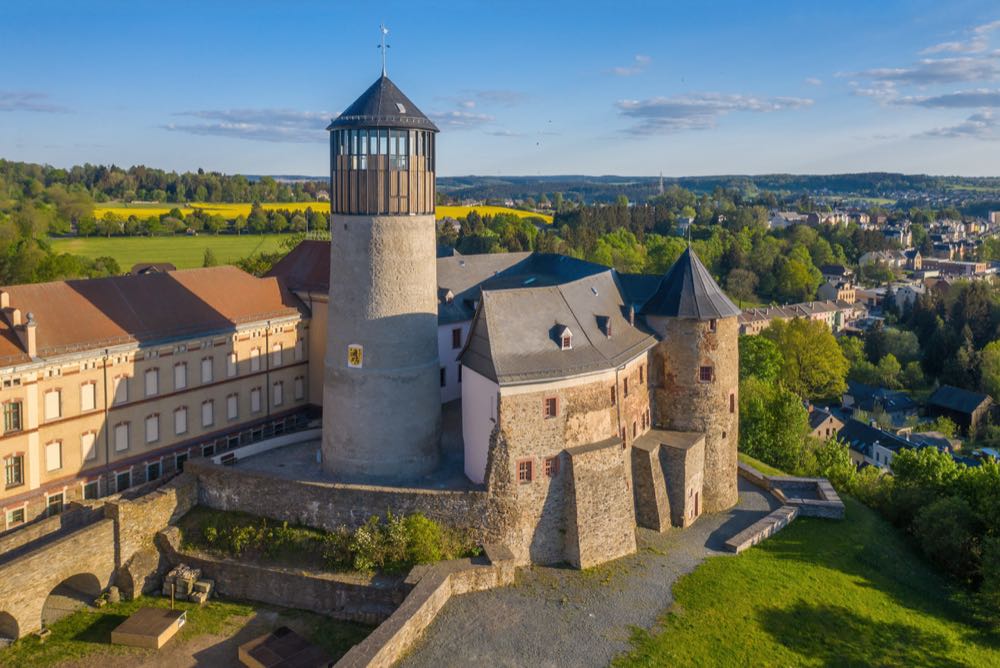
<point>232,210</point>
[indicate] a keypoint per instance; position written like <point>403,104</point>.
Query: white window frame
<point>207,364</point>
<point>276,355</point>
<point>254,359</point>
<point>88,454</point>
<point>53,451</point>
<point>232,365</point>
<point>120,390</point>
<point>208,413</point>
<point>180,421</point>
<point>233,407</point>
<point>180,376</point>
<point>278,393</point>
<point>122,428</point>
<point>53,411</point>
<point>152,382</point>
<point>300,388</point>
<point>88,389</point>
<point>154,421</point>
<point>255,400</point>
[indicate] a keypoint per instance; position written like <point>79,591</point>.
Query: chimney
<point>31,341</point>
<point>631,314</point>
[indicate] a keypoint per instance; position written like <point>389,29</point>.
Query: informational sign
<point>355,356</point>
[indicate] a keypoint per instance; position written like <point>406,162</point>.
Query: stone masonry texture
<point>382,420</point>
<point>683,402</point>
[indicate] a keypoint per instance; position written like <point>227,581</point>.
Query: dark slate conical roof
<point>689,291</point>
<point>383,105</point>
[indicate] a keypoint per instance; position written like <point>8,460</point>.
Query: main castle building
<point>567,403</point>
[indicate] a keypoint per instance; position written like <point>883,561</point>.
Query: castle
<point>578,402</point>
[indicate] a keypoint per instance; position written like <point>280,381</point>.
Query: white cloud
<point>639,63</point>
<point>698,111</point>
<point>939,71</point>
<point>983,125</point>
<point>12,100</point>
<point>813,81</point>
<point>272,125</point>
<point>977,41</point>
<point>460,120</point>
<point>975,98</point>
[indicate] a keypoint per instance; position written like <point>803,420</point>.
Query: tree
<point>209,259</point>
<point>742,284</point>
<point>814,367</point>
<point>989,369</point>
<point>948,532</point>
<point>773,424</point>
<point>621,200</point>
<point>759,358</point>
<point>888,371</point>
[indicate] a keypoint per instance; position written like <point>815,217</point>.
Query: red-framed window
<point>552,467</point>
<point>525,471</point>
<point>550,407</point>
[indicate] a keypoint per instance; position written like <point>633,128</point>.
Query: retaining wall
<point>329,505</point>
<point>357,599</point>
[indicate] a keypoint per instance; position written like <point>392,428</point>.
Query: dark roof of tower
<point>383,105</point>
<point>689,291</point>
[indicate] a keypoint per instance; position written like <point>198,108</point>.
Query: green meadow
<point>182,251</point>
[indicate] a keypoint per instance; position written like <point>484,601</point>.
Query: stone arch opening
<point>70,595</point>
<point>8,627</point>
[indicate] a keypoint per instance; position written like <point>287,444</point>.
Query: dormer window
<point>566,339</point>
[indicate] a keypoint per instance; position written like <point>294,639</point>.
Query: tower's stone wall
<point>382,420</point>
<point>683,402</point>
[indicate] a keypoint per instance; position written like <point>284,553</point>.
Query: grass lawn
<point>820,593</point>
<point>86,634</point>
<point>183,251</point>
<point>766,469</point>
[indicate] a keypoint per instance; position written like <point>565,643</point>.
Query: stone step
<point>762,529</point>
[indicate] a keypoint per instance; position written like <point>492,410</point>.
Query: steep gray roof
<point>461,276</point>
<point>514,335</point>
<point>383,105</point>
<point>957,399</point>
<point>689,291</point>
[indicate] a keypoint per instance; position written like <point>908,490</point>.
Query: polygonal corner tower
<point>697,361</point>
<point>381,396</point>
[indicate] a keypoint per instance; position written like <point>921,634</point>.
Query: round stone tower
<point>697,363</point>
<point>381,397</point>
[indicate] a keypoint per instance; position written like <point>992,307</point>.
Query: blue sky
<point>517,87</point>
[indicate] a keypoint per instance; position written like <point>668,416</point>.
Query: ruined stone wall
<point>330,505</point>
<point>342,597</point>
<point>683,402</point>
<point>138,520</point>
<point>585,415</point>
<point>86,555</point>
<point>600,512</point>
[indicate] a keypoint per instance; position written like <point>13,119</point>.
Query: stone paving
<point>564,617</point>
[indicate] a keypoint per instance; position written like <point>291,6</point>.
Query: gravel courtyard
<point>564,617</point>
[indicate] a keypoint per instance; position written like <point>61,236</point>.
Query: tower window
<point>706,374</point>
<point>550,407</point>
<point>614,396</point>
<point>552,467</point>
<point>625,387</point>
<point>443,377</point>
<point>732,402</point>
<point>524,472</point>
<point>456,338</point>
<point>642,373</point>
<point>712,325</point>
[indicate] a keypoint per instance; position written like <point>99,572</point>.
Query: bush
<point>425,540</point>
<point>947,530</point>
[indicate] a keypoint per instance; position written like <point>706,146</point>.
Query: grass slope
<point>86,634</point>
<point>183,251</point>
<point>766,469</point>
<point>819,593</point>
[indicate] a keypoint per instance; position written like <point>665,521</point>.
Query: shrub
<point>947,530</point>
<point>336,549</point>
<point>425,540</point>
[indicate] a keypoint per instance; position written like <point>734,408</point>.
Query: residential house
<point>898,406</point>
<point>839,291</point>
<point>967,409</point>
<point>822,423</point>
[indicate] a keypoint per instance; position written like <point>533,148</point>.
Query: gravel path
<point>564,617</point>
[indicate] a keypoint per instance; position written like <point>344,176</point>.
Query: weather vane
<point>383,46</point>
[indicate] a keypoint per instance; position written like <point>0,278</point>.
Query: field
<point>819,593</point>
<point>183,251</point>
<point>232,210</point>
